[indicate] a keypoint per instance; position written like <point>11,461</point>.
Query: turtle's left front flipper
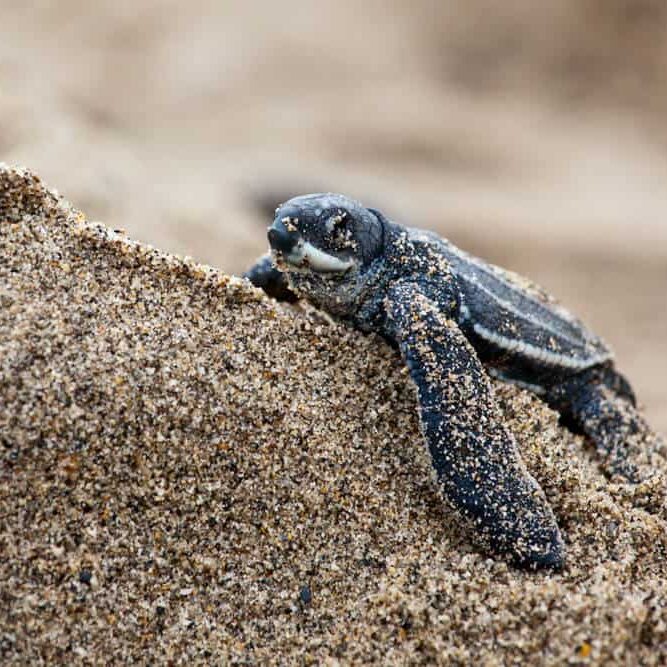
<point>475,456</point>
<point>266,276</point>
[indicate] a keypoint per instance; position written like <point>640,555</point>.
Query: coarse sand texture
<point>193,472</point>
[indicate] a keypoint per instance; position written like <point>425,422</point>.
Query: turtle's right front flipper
<point>473,453</point>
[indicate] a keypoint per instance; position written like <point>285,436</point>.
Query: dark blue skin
<point>455,319</point>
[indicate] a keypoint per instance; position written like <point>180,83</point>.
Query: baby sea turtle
<point>457,319</point>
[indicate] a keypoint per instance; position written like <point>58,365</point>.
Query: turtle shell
<point>515,325</point>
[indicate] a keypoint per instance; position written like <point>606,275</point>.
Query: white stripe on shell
<point>556,310</point>
<point>536,353</point>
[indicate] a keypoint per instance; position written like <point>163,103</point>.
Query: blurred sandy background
<point>532,133</point>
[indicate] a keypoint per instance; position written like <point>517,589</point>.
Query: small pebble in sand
<point>305,595</point>
<point>85,576</point>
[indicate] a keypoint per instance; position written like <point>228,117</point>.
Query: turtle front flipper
<point>599,403</point>
<point>475,457</point>
<point>265,275</point>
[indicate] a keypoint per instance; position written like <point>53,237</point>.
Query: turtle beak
<point>289,246</point>
<point>286,245</point>
<point>281,240</point>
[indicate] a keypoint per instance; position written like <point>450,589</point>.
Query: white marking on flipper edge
<point>529,386</point>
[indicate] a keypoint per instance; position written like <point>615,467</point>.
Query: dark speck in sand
<point>306,595</point>
<point>85,576</point>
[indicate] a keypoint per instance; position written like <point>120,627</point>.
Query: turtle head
<point>326,243</point>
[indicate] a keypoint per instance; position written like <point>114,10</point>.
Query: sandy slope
<point>192,472</point>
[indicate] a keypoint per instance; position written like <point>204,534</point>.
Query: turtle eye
<point>336,222</point>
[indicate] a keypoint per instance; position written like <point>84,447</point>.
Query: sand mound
<point>191,470</point>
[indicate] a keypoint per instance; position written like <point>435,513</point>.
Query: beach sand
<point>194,472</point>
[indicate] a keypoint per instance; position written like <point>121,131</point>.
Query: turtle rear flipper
<point>600,404</point>
<point>475,457</point>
